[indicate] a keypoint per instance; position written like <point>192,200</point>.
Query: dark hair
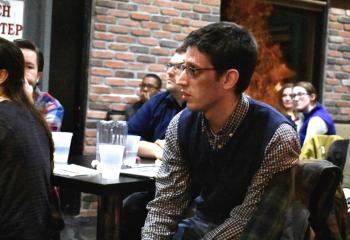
<point>181,49</point>
<point>228,45</point>
<point>156,77</point>
<point>40,61</point>
<point>26,44</point>
<point>11,59</point>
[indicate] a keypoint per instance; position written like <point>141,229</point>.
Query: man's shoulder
<point>159,97</point>
<point>320,110</point>
<point>156,100</point>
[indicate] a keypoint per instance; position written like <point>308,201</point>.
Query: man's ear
<point>231,79</point>
<point>40,74</point>
<point>3,75</point>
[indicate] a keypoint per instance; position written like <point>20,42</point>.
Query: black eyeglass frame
<point>299,94</point>
<point>194,70</point>
<point>148,86</point>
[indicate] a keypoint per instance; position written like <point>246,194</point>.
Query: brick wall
<point>131,38</point>
<point>336,96</point>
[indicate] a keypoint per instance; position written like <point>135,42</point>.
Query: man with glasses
<point>150,122</point>
<point>223,149</point>
<point>152,119</point>
<point>316,118</point>
<point>150,86</point>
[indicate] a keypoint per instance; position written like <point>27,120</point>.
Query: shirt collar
<point>217,141</point>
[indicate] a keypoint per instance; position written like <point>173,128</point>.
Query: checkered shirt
<point>172,182</point>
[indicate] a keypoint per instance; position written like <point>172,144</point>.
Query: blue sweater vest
<point>220,179</point>
<point>317,111</point>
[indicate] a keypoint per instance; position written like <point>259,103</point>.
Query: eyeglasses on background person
<point>299,94</point>
<point>175,66</point>
<point>148,85</point>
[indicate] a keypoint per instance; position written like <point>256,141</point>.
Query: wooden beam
<point>344,4</point>
<point>312,5</point>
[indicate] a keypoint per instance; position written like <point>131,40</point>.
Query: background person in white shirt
<point>316,118</point>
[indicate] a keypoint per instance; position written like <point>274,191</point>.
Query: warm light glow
<point>271,70</point>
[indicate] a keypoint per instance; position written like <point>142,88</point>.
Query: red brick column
<point>337,79</point>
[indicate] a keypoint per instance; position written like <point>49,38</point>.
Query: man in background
<point>152,119</point>
<point>150,122</point>
<point>50,107</point>
<point>150,86</point>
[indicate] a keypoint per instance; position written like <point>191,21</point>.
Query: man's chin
<point>193,107</point>
<point>172,88</point>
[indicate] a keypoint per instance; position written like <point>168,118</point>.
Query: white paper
<point>73,170</point>
<point>146,170</point>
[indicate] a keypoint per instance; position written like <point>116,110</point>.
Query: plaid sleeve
<point>171,191</point>
<point>281,153</point>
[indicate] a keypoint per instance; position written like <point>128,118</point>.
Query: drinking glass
<point>110,146</point>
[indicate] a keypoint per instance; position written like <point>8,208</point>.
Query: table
<point>109,192</point>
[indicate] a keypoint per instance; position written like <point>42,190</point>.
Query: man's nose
<point>181,79</point>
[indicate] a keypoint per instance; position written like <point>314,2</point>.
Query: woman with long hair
<point>26,156</point>
<point>287,105</point>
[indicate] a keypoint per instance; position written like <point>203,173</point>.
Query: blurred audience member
<point>150,86</point>
<point>151,122</point>
<point>287,105</point>
<point>44,102</point>
<point>152,119</point>
<point>316,118</point>
<point>27,202</point>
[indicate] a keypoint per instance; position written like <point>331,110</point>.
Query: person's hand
<point>28,89</point>
<point>160,143</point>
<point>158,152</point>
<point>150,150</point>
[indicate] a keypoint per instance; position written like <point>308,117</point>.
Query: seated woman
<point>316,118</point>
<point>287,106</point>
<point>26,153</point>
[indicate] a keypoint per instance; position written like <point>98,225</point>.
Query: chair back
<point>317,147</point>
<point>339,154</point>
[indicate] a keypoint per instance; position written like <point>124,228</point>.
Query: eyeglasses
<point>175,66</point>
<point>193,71</point>
<point>299,94</point>
<point>148,86</point>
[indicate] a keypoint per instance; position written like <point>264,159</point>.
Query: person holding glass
<point>28,206</point>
